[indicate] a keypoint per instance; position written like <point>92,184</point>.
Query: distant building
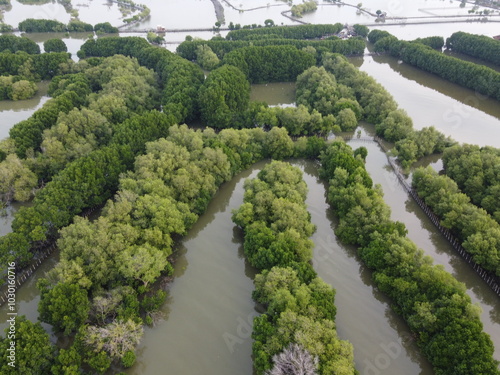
<point>160,29</point>
<point>497,37</point>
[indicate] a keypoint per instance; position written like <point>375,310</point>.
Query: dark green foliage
<point>140,129</point>
<point>478,231</point>
<point>473,76</point>
<point>65,307</point>
<point>105,28</point>
<point>28,134</point>
<point>275,219</point>
<point>420,143</point>
<point>435,42</point>
<point>379,107</point>
<point>31,25</point>
<point>47,65</point>
<point>464,73</point>
<point>277,226</point>
<point>475,170</point>
<point>271,63</point>
<point>223,96</point>
<point>79,27</point>
<point>296,32</point>
<point>361,30</point>
<point>54,45</point>
<point>352,46</point>
<point>480,46</point>
<point>14,44</point>
<point>432,302</point>
<point>33,353</point>
<point>375,35</point>
<point>362,152</point>
<point>181,79</point>
<point>87,182</point>
<point>78,83</point>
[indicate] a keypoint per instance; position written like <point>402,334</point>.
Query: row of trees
<point>435,42</point>
<point>32,25</point>
<point>379,107</point>
<point>297,331</point>
<point>349,47</point>
<point>271,63</point>
<point>434,304</point>
<point>473,76</point>
<point>14,44</point>
<point>480,46</point>
<point>32,67</point>
<point>296,32</point>
<point>475,170</point>
<point>478,231</point>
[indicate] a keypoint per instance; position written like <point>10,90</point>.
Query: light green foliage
<point>23,89</point>
<point>74,135</point>
<point>68,362</point>
<point>19,90</point>
<point>396,126</point>
<point>17,182</point>
<point>278,144</point>
<point>317,89</point>
<point>346,119</point>
<point>206,57</point>
<point>306,7</point>
<point>299,306</point>
<point>318,337</point>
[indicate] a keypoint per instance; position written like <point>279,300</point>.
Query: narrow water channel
<point>423,232</point>
<point>210,310</point>
<point>382,341</point>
